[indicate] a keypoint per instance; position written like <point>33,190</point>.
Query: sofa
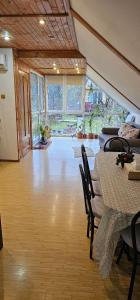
<point>115,145</point>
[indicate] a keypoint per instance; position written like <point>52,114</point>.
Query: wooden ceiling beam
<point>60,15</point>
<point>49,54</point>
<point>95,33</point>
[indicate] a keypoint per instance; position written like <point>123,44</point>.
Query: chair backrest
<point>133,232</point>
<point>87,169</point>
<point>86,191</point>
<point>117,144</point>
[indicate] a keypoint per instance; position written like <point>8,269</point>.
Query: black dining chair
<point>95,187</point>
<point>117,144</point>
<point>131,238</point>
<point>94,208</point>
<point>94,176</point>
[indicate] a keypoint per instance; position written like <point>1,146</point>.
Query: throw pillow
<point>124,128</point>
<point>132,133</point>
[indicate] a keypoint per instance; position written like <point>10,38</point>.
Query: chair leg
<point>120,254</point>
<point>88,225</point>
<point>132,279</point>
<point>91,238</point>
<point>127,252</point>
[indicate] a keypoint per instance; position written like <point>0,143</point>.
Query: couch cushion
<point>123,129</point>
<point>132,133</point>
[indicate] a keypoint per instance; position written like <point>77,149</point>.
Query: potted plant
<point>43,139</point>
<point>79,132</point>
<point>80,129</point>
<point>90,134</point>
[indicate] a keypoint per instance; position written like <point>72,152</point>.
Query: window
<point>74,93</point>
<point>41,93</point>
<point>65,94</point>
<point>37,104</point>
<point>55,93</point>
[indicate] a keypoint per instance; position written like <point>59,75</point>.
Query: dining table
<point>121,198</point>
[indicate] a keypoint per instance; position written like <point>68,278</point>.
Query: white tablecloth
<point>122,200</point>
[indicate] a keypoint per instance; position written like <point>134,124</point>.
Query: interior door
<point>24,114</point>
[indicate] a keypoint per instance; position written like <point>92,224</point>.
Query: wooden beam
<point>113,87</point>
<point>104,41</point>
<point>49,54</point>
<point>60,15</point>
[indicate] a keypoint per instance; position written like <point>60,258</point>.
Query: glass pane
<point>35,125</point>
<point>55,97</point>
<point>41,94</point>
<point>74,98</point>
<point>34,92</point>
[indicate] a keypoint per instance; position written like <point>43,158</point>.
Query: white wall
<point>8,130</point>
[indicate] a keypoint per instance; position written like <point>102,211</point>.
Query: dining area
<point>112,207</point>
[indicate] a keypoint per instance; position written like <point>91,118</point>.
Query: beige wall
<point>8,131</point>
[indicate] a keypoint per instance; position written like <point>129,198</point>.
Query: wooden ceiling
<point>20,18</point>
<point>64,65</point>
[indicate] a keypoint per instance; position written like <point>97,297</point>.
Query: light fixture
<point>57,71</point>
<point>78,71</point>
<point>76,65</point>
<point>6,36</point>
<point>54,68</point>
<point>54,64</point>
<point>41,22</point>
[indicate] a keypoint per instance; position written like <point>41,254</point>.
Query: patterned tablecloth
<point>122,200</point>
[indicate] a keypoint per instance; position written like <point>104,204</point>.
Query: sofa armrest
<point>110,131</point>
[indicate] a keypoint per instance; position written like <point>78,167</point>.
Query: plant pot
<point>96,136</point>
<point>79,135</point>
<point>90,136</point>
<point>84,135</point>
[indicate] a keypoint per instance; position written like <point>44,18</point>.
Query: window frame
<point>64,107</point>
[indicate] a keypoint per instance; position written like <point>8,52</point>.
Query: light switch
<point>2,97</point>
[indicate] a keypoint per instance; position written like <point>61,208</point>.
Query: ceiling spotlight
<point>76,65</point>
<point>6,36</point>
<point>41,22</point>
<point>54,64</point>
<point>54,68</point>
<point>58,71</point>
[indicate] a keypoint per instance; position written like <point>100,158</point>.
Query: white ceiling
<point>110,90</point>
<point>111,19</point>
<point>118,21</point>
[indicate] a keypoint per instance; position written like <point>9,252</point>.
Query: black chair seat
<point>127,236</point>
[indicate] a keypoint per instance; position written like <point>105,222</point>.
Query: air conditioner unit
<point>3,63</point>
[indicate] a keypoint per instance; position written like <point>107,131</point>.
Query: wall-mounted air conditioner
<point>3,63</point>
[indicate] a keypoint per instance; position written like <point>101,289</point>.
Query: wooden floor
<point>45,254</point>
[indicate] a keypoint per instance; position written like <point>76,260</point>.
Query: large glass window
<point>37,104</point>
<point>74,88</point>
<point>55,93</point>
<point>65,94</point>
